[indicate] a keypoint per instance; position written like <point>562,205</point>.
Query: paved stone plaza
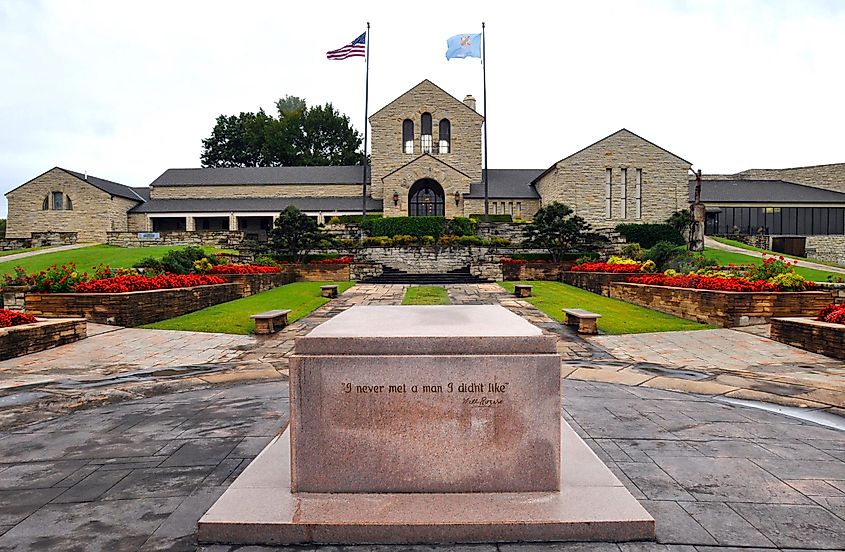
<point>138,474</point>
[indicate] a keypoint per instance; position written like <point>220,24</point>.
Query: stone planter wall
<point>133,308</point>
<point>250,284</point>
<point>38,239</point>
<point>317,272</point>
<point>31,338</point>
<point>14,298</point>
<point>362,271</point>
<point>597,282</point>
<point>536,270</point>
<point>224,239</point>
<point>723,308</point>
<point>838,291</point>
<point>812,335</point>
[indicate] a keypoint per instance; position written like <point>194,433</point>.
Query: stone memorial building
<point>426,160</point>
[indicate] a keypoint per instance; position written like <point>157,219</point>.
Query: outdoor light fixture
<point>457,198</point>
<point>395,198</point>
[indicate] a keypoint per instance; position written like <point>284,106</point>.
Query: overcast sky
<point>126,90</point>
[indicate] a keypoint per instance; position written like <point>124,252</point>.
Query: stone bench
<point>585,320</point>
<point>271,321</point>
<point>522,290</point>
<point>329,291</point>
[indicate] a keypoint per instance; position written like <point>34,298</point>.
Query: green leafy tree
<point>295,233</point>
<point>2,228</point>
<point>555,228</point>
<point>681,221</point>
<point>297,136</point>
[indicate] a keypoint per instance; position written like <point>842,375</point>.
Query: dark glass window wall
<point>804,221</point>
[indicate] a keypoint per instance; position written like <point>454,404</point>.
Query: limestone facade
<point>84,209</point>
<point>620,179</point>
<point>425,166</point>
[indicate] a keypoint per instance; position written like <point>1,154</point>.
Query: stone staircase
<point>396,276</point>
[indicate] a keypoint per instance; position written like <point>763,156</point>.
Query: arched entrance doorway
<point>426,199</point>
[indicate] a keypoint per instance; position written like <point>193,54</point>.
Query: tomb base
<point>592,505</point>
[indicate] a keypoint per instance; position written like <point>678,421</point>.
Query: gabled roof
<point>112,188</point>
<point>423,156</point>
<point>762,191</point>
<point>428,82</point>
<point>506,183</point>
<point>255,204</point>
<point>345,174</point>
<point>602,140</point>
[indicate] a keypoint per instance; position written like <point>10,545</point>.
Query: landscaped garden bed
<point>22,334</point>
<point>255,279</point>
<point>824,334</point>
<point>597,277</point>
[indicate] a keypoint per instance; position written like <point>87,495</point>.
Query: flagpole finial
<point>368,24</point>
<point>482,24</point>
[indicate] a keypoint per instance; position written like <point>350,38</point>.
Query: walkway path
<point>710,242</point>
<point>16,256</point>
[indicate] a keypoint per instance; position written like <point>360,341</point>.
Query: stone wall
<point>723,308</point>
<point>762,241</point>
<point>14,298</point>
<point>133,308</point>
<point>427,166</point>
<point>535,270</point>
<point>579,181</point>
<point>427,260</point>
<point>522,208</point>
<point>824,338</point>
<point>31,338</point>
<point>322,272</point>
<point>327,189</point>
<point>837,289</point>
<point>387,154</point>
<point>39,239</point>
<point>596,282</point>
<point>826,248</point>
<point>510,231</point>
<point>363,271</point>
<point>225,239</point>
<point>829,177</point>
<point>94,212</point>
<point>250,284</point>
<point>10,244</point>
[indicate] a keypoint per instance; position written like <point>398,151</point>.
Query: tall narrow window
<point>639,193</point>
<point>407,136</point>
<point>510,207</point>
<point>68,204</point>
<point>46,203</point>
<point>623,201</point>
<point>445,136</point>
<point>425,134</point>
<point>518,209</point>
<point>608,193</point>
<point>58,201</point>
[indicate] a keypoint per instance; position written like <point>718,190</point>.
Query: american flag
<point>353,49</point>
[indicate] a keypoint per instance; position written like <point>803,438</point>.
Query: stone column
<point>190,224</point>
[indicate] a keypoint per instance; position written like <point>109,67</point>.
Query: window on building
<point>445,136</point>
<point>58,201</point>
<point>425,134</point>
<point>407,136</point>
<point>518,209</point>
<point>639,193</point>
<point>68,203</point>
<point>45,205</point>
<point>623,201</point>
<point>510,207</point>
<point>608,193</point>
<point>495,208</point>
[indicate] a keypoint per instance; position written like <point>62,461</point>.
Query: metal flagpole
<point>366,107</point>
<point>486,172</point>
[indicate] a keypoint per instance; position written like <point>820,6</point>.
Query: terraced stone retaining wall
<point>133,308</point>
<point>597,282</point>
<point>250,284</point>
<point>535,270</point>
<point>31,338</point>
<point>312,272</point>
<point>723,308</point>
<point>824,338</point>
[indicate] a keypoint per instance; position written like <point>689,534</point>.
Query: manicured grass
<point>729,257</point>
<point>747,247</point>
<point>88,257</point>
<point>22,250</point>
<point>618,317</point>
<point>233,317</point>
<point>426,295</point>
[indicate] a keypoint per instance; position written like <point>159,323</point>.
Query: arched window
<point>58,201</point>
<point>445,136</point>
<point>425,134</point>
<point>407,136</point>
<point>426,199</point>
<point>45,205</point>
<point>68,203</point>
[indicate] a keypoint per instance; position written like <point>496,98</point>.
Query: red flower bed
<point>703,282</point>
<point>337,260</point>
<point>832,313</point>
<point>244,269</point>
<point>604,267</point>
<point>11,318</point>
<point>122,284</point>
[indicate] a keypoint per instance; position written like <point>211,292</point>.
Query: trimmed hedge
<point>548,256</point>
<point>492,218</point>
<point>647,235</point>
<point>406,226</point>
<point>354,219</point>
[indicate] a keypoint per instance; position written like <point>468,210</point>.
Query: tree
<point>681,221</point>
<point>298,136</point>
<point>555,228</point>
<point>295,233</point>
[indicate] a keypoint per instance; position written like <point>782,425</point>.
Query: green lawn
<point>729,257</point>
<point>88,257</point>
<point>22,250</point>
<point>747,247</point>
<point>618,317</point>
<point>233,317</point>
<point>426,295</point>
